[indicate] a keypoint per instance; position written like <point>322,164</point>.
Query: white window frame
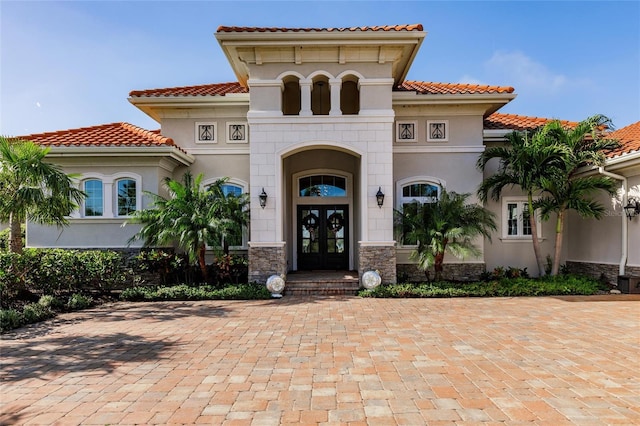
<point>520,201</point>
<point>84,202</point>
<point>228,125</point>
<point>116,207</point>
<point>446,130</point>
<point>401,201</point>
<point>415,131</point>
<point>197,132</point>
<point>109,194</point>
<point>245,189</point>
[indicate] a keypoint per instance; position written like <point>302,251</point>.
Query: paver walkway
<point>342,360</point>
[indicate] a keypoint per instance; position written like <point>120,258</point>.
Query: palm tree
<point>191,217</point>
<point>446,226</point>
<point>524,163</point>
<point>32,189</point>
<point>583,145</point>
<point>232,212</point>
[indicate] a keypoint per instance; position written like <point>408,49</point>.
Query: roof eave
<point>230,42</point>
<point>151,105</point>
<point>173,152</point>
<point>494,101</point>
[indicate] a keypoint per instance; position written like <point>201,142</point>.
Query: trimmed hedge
<point>186,292</point>
<point>61,272</point>
<point>547,286</point>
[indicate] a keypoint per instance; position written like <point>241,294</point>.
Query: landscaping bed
<point>505,287</point>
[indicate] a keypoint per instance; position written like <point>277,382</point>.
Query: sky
<point>72,64</point>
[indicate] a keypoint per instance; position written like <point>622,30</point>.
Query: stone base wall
<point>597,270</point>
<point>266,261</point>
<point>378,258</point>
<point>409,272</point>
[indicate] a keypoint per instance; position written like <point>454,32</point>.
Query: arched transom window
<point>322,186</point>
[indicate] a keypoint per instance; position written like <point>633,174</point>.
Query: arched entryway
<point>321,208</point>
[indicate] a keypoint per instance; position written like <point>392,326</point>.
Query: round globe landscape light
<point>371,279</point>
<point>275,284</point>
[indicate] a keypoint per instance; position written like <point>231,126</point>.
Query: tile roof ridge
<point>469,85</point>
<point>149,134</point>
<point>529,117</point>
<point>194,86</point>
<point>73,130</point>
<point>401,27</point>
<point>152,136</point>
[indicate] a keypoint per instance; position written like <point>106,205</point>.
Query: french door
<point>323,232</point>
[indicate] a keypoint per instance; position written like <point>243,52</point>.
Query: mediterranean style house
<point>328,138</point>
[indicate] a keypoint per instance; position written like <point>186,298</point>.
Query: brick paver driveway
<point>340,360</point>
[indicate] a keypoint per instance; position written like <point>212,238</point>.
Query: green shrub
<point>79,301</point>
<point>10,319</point>
<point>504,287</point>
<point>35,312</point>
<point>205,292</point>
<point>51,302</point>
<point>137,294</point>
<point>169,266</point>
<point>61,272</point>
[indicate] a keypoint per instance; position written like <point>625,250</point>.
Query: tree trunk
<point>534,237</point>
<point>15,234</point>
<point>558,249</point>
<point>202,262</point>
<point>438,267</point>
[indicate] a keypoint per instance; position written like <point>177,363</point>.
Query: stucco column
<point>335,85</point>
<point>305,97</point>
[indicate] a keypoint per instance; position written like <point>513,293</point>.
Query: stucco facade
<point>312,111</point>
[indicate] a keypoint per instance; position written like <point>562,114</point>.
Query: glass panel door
<point>323,237</point>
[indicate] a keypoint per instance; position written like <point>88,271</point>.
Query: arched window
<point>94,203</point>
<point>321,96</point>
<point>126,196</point>
<point>322,186</point>
<point>291,96</point>
<point>411,196</point>
<point>350,96</point>
<point>236,237</point>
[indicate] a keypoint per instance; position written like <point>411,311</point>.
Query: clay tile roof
<point>114,134</point>
<point>629,138</point>
<point>498,121</point>
<point>430,88</point>
<point>411,27</point>
<point>218,89</point>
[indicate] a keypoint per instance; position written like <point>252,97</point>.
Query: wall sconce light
<point>632,209</point>
<point>263,198</point>
<point>380,197</point>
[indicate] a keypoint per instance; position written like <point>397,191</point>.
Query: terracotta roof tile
<point>424,88</point>
<point>411,27</point>
<point>114,134</point>
<point>498,121</point>
<point>430,88</point>
<point>629,138</point>
<point>218,89</point>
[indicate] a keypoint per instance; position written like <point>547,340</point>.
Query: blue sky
<point>72,64</point>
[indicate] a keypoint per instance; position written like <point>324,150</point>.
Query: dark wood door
<point>323,233</point>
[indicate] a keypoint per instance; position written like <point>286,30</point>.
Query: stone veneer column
<point>266,260</point>
<point>378,257</point>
